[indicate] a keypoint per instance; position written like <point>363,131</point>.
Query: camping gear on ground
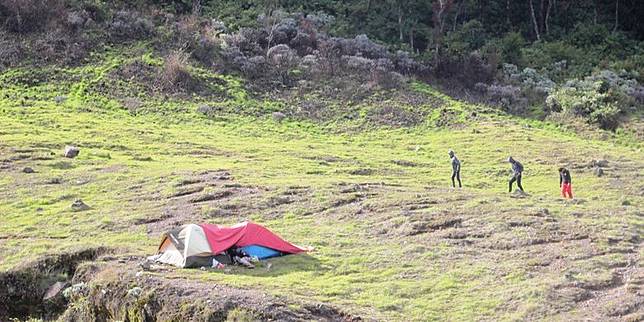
<point>197,245</point>
<point>261,252</point>
<point>243,261</point>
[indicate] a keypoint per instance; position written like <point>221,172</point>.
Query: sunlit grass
<point>386,277</point>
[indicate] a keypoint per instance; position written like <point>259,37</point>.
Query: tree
<point>534,21</point>
<point>616,15</point>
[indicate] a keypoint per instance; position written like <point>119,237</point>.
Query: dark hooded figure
<point>456,169</point>
<point>517,170</point>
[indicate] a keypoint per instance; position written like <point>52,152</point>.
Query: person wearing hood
<point>456,169</point>
<point>517,171</point>
<point>565,183</point>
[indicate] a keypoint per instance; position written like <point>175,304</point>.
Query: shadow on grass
<point>278,266</point>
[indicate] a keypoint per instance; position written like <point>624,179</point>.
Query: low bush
<point>24,16</point>
<point>199,37</point>
<point>130,25</point>
<point>282,59</point>
<point>174,76</point>
<point>600,98</point>
<point>10,51</point>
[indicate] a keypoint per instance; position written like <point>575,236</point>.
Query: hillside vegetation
<point>341,144</point>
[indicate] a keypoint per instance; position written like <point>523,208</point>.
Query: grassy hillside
<point>392,240</point>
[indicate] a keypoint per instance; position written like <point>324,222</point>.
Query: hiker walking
<point>517,170</point>
<point>456,169</point>
<point>565,183</point>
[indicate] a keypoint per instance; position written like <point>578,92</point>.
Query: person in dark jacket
<point>456,169</point>
<point>517,171</point>
<point>565,183</point>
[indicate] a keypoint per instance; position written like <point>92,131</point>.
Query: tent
<point>197,245</point>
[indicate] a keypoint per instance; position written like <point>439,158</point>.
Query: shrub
<point>303,43</point>
<point>547,56</point>
<point>57,45</point>
<point>24,16</point>
<point>284,31</point>
<point>358,64</point>
<point>507,96</point>
<point>10,51</point>
<point>175,76</point>
<point>129,24</point>
<point>600,98</point>
<point>362,45</point>
<point>508,47</point>
<point>405,64</point>
<point>534,84</point>
<point>282,59</point>
<point>254,67</point>
<point>588,34</point>
<point>470,36</point>
<point>330,51</point>
<point>199,37</point>
<point>475,69</point>
<point>320,20</point>
<point>76,20</point>
<point>245,40</point>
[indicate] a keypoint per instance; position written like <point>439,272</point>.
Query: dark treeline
<point>420,24</point>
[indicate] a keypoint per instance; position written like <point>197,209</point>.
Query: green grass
<point>129,164</point>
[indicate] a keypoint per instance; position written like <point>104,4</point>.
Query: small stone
<point>71,151</point>
<point>60,99</point>
<point>79,205</point>
<point>278,116</point>
<point>28,170</point>
<point>135,291</point>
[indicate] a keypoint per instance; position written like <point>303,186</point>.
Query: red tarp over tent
<point>243,234</point>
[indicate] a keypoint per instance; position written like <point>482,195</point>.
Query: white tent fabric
<point>194,242</point>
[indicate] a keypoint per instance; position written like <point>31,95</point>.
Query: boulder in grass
<point>79,205</point>
<point>71,151</point>
<point>28,170</point>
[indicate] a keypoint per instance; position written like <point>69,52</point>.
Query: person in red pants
<point>565,182</point>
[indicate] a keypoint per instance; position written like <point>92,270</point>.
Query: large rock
<point>28,170</point>
<point>79,205</point>
<point>71,151</point>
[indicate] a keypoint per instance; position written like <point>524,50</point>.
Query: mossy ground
<point>392,240</point>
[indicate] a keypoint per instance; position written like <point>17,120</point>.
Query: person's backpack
<point>518,166</point>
